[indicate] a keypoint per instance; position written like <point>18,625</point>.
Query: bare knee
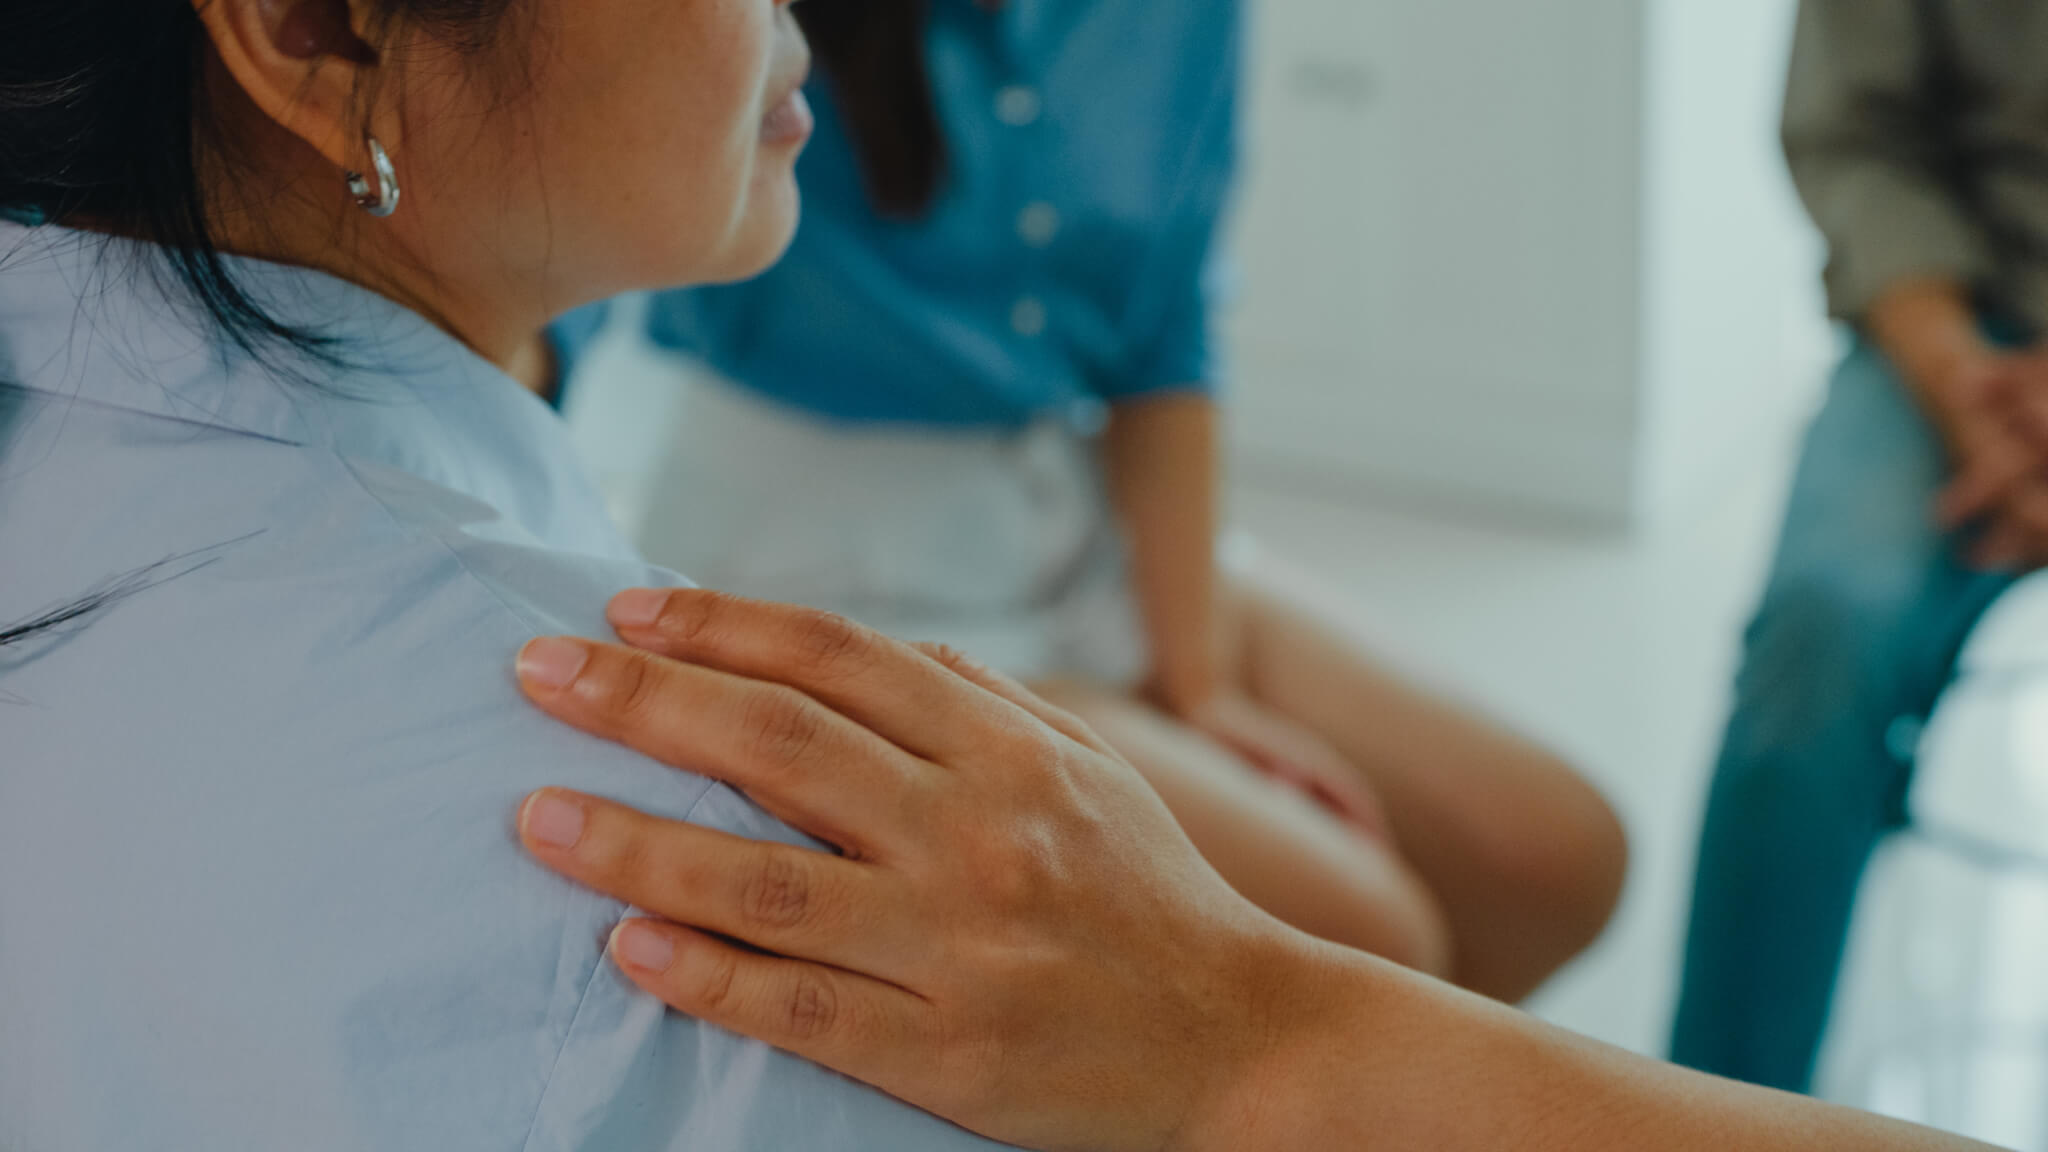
<point>1299,865</point>
<point>1566,860</point>
<point>1591,866</point>
<point>1406,927</point>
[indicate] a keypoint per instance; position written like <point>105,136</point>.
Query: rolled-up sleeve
<point>1192,276</point>
<point>1866,137</point>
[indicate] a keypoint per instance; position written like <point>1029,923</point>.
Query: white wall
<point>1530,256</point>
<point>1737,342</point>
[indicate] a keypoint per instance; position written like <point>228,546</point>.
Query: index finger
<point>791,901</point>
<point>1979,487</point>
<point>803,762</point>
<point>886,686</point>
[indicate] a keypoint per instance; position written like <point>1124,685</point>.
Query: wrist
<point>1947,376</point>
<point>1929,330</point>
<point>1307,1006</point>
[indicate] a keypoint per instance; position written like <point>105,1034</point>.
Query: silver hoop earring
<point>385,201</point>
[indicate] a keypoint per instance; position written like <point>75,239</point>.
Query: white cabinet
<point>1529,255</point>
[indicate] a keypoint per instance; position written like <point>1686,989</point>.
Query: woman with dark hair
<point>975,406</point>
<point>274,521</point>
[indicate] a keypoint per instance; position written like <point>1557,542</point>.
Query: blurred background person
<point>1918,138</point>
<point>976,405</point>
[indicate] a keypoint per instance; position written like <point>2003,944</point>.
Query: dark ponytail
<point>873,54</point>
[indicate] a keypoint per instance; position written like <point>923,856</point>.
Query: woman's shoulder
<point>257,822</point>
<point>258,585</point>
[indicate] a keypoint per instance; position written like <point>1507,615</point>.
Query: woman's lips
<point>789,122</point>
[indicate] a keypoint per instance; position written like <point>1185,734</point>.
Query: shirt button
<point>1038,224</point>
<point>1028,318</point>
<point>1018,106</point>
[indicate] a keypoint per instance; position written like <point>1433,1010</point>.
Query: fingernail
<point>552,663</point>
<point>553,820</point>
<point>638,945</point>
<point>638,608</point>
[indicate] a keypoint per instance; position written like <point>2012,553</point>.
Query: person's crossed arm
<point>1990,405</point>
<point>1868,133</point>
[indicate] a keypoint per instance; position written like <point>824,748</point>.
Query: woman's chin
<point>766,236</point>
<point>754,243</point>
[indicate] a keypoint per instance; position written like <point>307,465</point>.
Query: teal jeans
<point>1867,605</point>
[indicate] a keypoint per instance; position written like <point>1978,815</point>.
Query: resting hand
<point>1020,939</point>
<point>1017,935</point>
<point>1286,752</point>
<point>1993,414</point>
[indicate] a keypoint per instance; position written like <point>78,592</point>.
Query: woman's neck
<point>296,211</point>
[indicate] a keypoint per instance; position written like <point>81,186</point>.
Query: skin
<point>1525,858</point>
<point>1990,405</point>
<point>610,145</point>
<point>593,147</point>
<point>1057,889</point>
<point>1271,842</point>
<point>1018,936</point>
<point>1333,795</point>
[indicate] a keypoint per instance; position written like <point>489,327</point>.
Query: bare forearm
<point>1162,464</point>
<point>1928,329</point>
<point>1370,1057</point>
<point>1038,952</point>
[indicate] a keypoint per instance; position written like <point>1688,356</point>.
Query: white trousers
<point>1001,544</point>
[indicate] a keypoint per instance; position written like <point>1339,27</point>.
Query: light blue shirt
<point>258,883</point>
<point>1071,257</point>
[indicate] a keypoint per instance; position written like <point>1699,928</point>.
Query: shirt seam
<point>526,624</point>
<point>582,1004</point>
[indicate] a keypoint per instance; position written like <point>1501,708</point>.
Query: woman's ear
<point>303,63</point>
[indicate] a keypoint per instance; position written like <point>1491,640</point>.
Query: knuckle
<point>812,1009</point>
<point>1015,881</point>
<point>632,689</point>
<point>619,852</point>
<point>954,660</point>
<point>830,645</point>
<point>1071,725</point>
<point>779,895</point>
<point>691,618</point>
<point>711,990</point>
<point>781,728</point>
<point>1005,870</point>
<point>1043,753</point>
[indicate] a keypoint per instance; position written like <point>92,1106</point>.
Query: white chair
<point>1942,1014</point>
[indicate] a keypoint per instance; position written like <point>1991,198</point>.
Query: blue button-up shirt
<point>1071,257</point>
<point>258,883</point>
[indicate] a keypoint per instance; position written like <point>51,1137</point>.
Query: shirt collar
<point>101,322</point>
<point>90,318</point>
